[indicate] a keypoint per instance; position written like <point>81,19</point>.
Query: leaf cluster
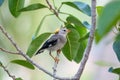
<point>76,39</point>
<point>108,19</point>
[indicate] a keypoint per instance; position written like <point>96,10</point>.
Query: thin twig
<point>90,41</point>
<point>12,76</point>
<point>1,49</point>
<point>56,12</point>
<point>51,8</point>
<point>28,59</point>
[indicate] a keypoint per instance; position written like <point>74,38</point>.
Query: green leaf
<point>116,47</point>
<point>80,51</point>
<point>33,7</point>
<point>103,63</point>
<point>82,31</point>
<point>18,79</point>
<point>116,70</point>
<point>74,20</point>
<point>83,42</point>
<point>97,37</point>
<point>84,37</point>
<point>23,63</point>
<point>87,25</point>
<point>99,10</point>
<point>72,45</point>
<point>109,17</point>
<point>80,6</point>
<point>66,51</point>
<point>0,63</point>
<point>36,43</point>
<point>15,5</point>
<point>1,2</point>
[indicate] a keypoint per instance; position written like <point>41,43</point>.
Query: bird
<point>55,43</point>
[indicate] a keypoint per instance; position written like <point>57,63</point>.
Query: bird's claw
<point>56,60</point>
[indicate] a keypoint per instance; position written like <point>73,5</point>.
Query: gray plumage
<point>55,42</point>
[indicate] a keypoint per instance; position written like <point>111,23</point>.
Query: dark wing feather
<point>49,43</point>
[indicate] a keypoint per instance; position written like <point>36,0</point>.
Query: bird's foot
<point>56,60</point>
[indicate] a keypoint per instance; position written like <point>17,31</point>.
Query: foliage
<point>76,39</point>
<point>15,5</point>
<point>33,7</point>
<point>35,44</point>
<point>72,45</point>
<point>81,29</point>
<point>108,18</point>
<point>116,70</point>
<point>18,79</point>
<point>1,2</point>
<point>99,10</point>
<point>107,21</point>
<point>23,63</point>
<point>73,48</point>
<point>116,47</point>
<point>80,6</point>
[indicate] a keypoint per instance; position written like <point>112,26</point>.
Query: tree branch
<point>90,41</point>
<point>1,49</point>
<point>55,66</point>
<point>13,77</point>
<point>51,8</point>
<point>28,59</point>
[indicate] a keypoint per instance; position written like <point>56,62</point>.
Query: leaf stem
<point>64,13</point>
<point>60,7</point>
<point>54,4</point>
<point>39,27</point>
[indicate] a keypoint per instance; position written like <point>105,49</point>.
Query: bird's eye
<point>64,30</point>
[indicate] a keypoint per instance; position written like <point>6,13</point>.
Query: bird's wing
<point>50,42</point>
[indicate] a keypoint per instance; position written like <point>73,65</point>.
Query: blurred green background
<point>22,30</point>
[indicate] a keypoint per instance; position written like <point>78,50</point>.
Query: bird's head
<point>63,31</point>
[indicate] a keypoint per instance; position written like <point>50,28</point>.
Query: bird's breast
<point>60,44</point>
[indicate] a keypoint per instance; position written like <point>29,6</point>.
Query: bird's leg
<point>51,55</point>
<point>55,58</point>
<point>58,51</point>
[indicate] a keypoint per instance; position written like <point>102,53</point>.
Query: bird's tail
<point>39,51</point>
